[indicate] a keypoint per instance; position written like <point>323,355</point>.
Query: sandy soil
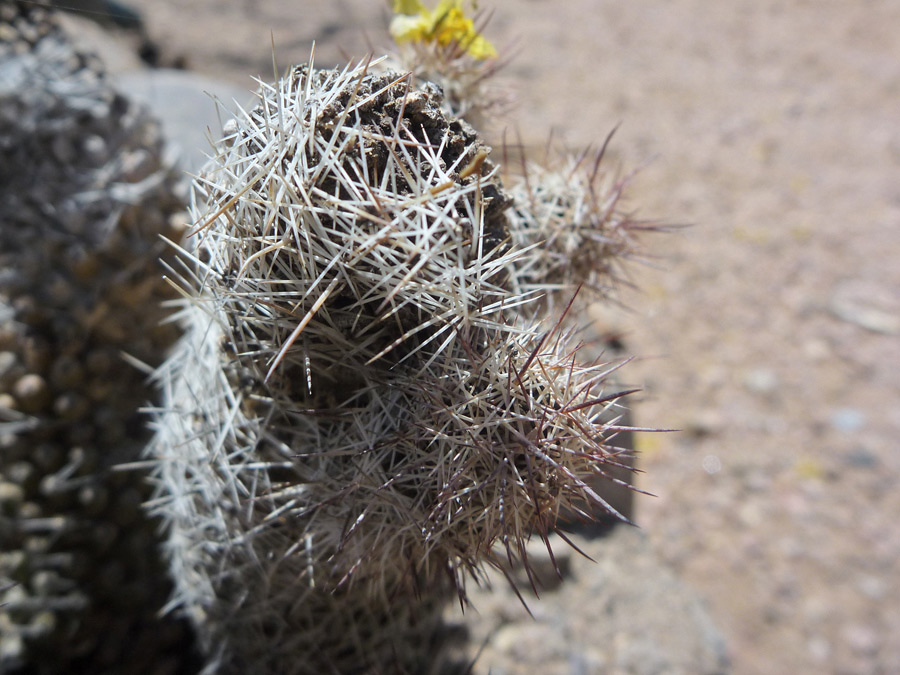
<point>769,331</point>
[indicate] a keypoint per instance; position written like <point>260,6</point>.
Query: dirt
<point>768,331</point>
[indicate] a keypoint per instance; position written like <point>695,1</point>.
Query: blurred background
<point>767,332</point>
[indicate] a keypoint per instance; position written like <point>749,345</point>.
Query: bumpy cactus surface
<point>83,199</point>
<point>368,404</point>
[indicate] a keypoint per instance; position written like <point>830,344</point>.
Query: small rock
<point>633,617</point>
<point>758,480</point>
<point>860,458</point>
<point>751,514</point>
<point>816,350</point>
<point>181,102</point>
<point>711,464</point>
<point>862,639</point>
<point>819,649</point>
<point>761,381</point>
<point>706,422</point>
<point>870,318</point>
<point>848,420</point>
<point>872,587</point>
<point>866,304</point>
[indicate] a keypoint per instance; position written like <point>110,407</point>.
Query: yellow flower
<point>446,24</point>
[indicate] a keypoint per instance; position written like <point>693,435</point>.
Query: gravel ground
<point>769,330</point>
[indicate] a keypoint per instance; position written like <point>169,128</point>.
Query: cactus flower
<point>446,24</point>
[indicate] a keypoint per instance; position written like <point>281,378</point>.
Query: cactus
<point>368,405</point>
<point>83,198</point>
<point>377,394</point>
<point>581,238</point>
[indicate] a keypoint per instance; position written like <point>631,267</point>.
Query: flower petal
<point>409,7</point>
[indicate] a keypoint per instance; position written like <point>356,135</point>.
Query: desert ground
<point>767,330</point>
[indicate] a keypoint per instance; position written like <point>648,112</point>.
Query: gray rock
<point>192,110</point>
<point>626,613</point>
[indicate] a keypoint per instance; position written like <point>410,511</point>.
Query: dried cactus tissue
<point>370,389</point>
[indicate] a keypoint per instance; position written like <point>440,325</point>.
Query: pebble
<point>817,350</point>
<point>872,587</point>
<point>848,420</point>
<point>624,613</point>
<point>870,318</point>
<point>862,639</point>
<point>711,464</point>
<point>861,458</point>
<point>819,649</point>
<point>706,422</point>
<point>761,381</point>
<point>758,480</point>
<point>751,514</point>
<point>62,150</point>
